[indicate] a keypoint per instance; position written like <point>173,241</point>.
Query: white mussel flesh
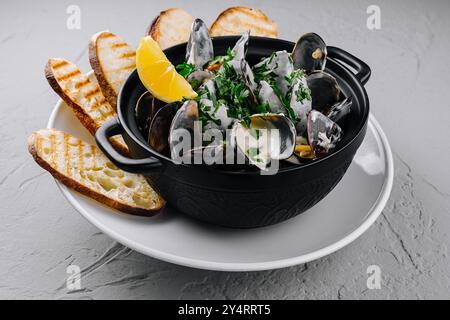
<point>265,138</point>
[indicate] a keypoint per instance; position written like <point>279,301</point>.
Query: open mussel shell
<point>340,110</point>
<point>267,137</point>
<point>240,49</point>
<point>185,132</point>
<point>325,91</point>
<point>199,49</point>
<point>158,137</point>
<point>310,53</point>
<point>323,133</point>
<point>145,110</point>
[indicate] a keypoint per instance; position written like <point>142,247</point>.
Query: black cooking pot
<point>241,199</point>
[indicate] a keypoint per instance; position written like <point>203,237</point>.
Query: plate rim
<point>370,218</point>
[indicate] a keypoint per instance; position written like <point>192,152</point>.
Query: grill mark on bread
<point>131,66</point>
<point>106,115</point>
<point>94,162</point>
<point>80,159</point>
<point>118,45</point>
<point>98,104</point>
<point>92,93</point>
<point>53,151</point>
<point>111,113</point>
<point>109,188</point>
<point>69,75</point>
<point>83,95</point>
<point>111,59</point>
<point>128,54</point>
<point>60,64</point>
<point>82,84</point>
<point>107,35</point>
<point>67,154</point>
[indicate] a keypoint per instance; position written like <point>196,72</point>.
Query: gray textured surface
<point>41,234</point>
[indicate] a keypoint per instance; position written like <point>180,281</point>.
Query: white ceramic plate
<point>340,218</point>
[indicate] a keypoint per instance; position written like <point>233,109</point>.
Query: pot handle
<point>363,71</point>
<point>112,128</point>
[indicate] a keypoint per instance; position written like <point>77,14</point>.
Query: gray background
<point>41,234</point>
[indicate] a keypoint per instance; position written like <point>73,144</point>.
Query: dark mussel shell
<point>325,91</point>
<point>146,108</point>
<point>323,133</point>
<point>159,129</point>
<point>340,110</point>
<point>310,53</point>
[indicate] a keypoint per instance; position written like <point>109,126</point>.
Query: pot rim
<point>165,160</point>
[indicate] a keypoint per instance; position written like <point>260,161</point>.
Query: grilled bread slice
<point>171,27</point>
<point>112,60</point>
<point>83,95</point>
<point>237,20</point>
<point>83,168</point>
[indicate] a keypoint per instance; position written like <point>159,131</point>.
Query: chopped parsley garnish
<point>262,108</point>
<point>286,103</point>
<point>231,90</point>
<point>185,69</point>
<point>303,92</point>
<point>221,59</point>
<point>205,114</point>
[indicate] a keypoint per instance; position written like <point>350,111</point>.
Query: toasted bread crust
<point>76,186</point>
<point>153,30</point>
<point>162,37</point>
<point>256,28</point>
<point>84,118</point>
<point>107,90</point>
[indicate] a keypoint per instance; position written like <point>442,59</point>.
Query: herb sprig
<point>222,59</point>
<point>185,69</point>
<point>233,92</point>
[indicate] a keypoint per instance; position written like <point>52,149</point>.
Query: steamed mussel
<point>310,53</point>
<point>325,91</point>
<point>284,108</point>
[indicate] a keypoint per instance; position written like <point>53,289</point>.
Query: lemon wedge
<point>158,75</point>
